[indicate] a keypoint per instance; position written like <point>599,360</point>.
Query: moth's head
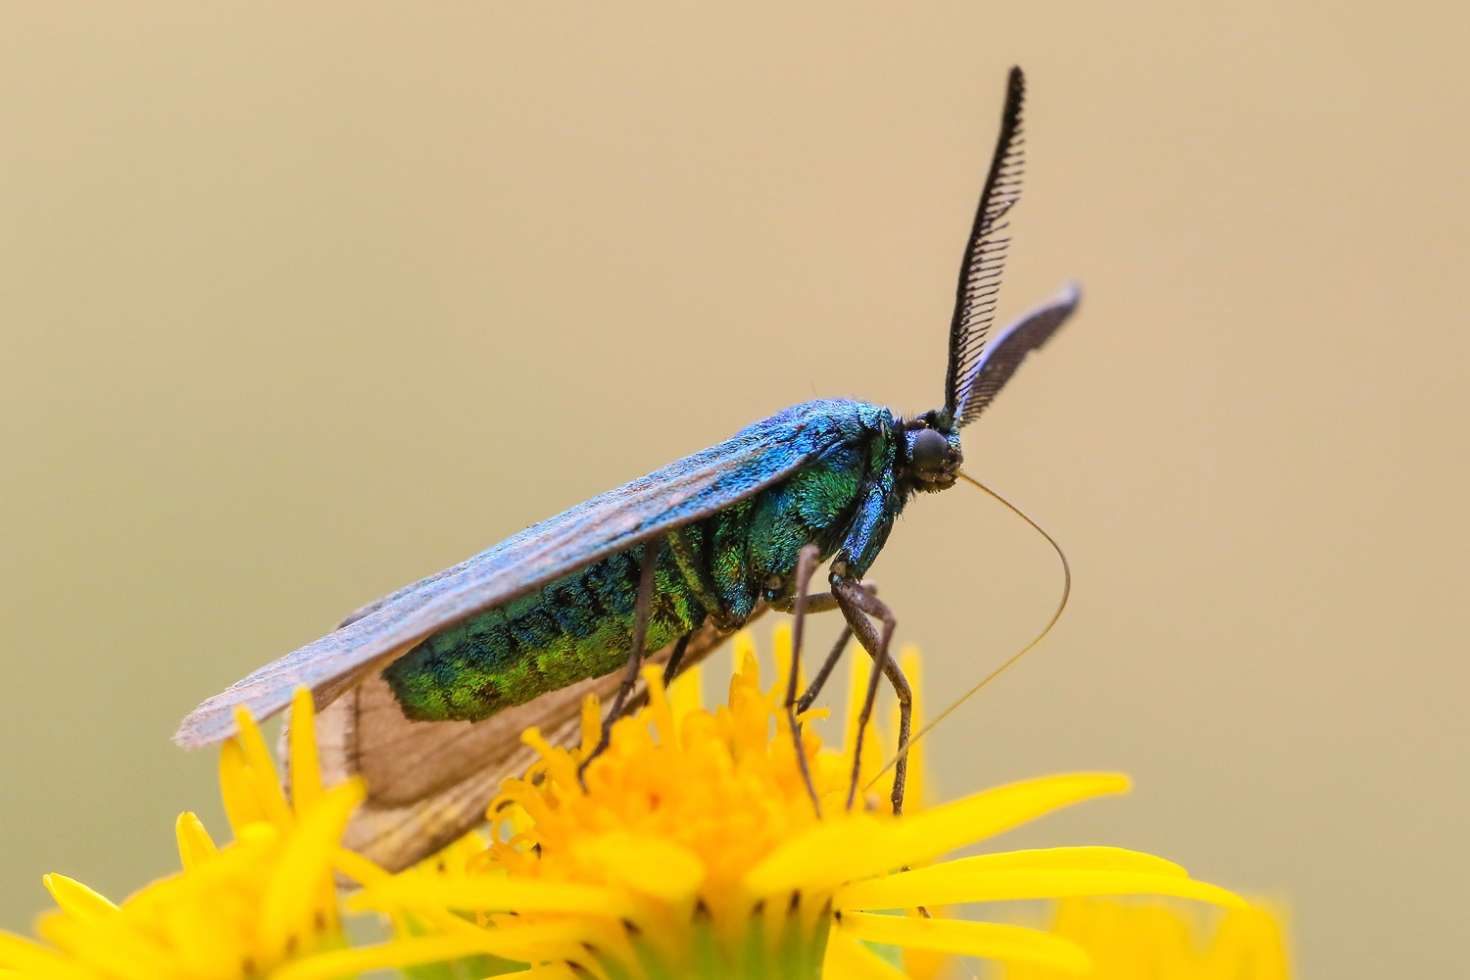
<point>931,455</point>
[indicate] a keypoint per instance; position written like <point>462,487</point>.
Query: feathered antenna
<point>985,254</point>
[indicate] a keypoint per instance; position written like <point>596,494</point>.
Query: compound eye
<point>930,450</point>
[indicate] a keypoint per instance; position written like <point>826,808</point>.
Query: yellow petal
<point>108,944</point>
<point>988,940</point>
<point>873,892</point>
<point>359,868</point>
<point>686,694</point>
<point>237,789</point>
<point>485,893</point>
<point>831,852</point>
<point>34,961</point>
<point>1097,858</point>
<point>532,942</point>
<point>743,656</point>
<point>75,898</point>
<point>367,874</point>
<point>849,959</point>
<point>933,833</point>
<point>942,885</point>
<point>658,704</point>
<point>195,844</point>
<point>305,772</point>
<point>652,866</point>
<point>859,846</point>
<point>295,889</point>
<point>384,956</point>
<point>264,782</point>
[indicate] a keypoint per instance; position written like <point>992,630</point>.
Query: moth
<point>424,692</point>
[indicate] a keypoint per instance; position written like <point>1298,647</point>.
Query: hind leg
<point>641,607</point>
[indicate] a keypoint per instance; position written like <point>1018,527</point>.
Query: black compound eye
<point>930,450</point>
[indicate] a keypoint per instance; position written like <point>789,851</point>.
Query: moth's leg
<point>819,603</point>
<point>823,602</point>
<point>857,605</point>
<point>806,565</point>
<point>818,682</point>
<point>676,659</point>
<point>642,605</point>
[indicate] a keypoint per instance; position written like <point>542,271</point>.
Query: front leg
<point>858,601</point>
<point>857,604</point>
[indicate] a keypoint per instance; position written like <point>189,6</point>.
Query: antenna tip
<point>1070,295</point>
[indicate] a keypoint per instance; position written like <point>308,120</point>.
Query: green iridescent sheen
<point>581,626</point>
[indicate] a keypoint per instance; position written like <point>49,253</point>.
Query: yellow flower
<point>694,850</point>
<point>263,905</point>
<point>1154,939</point>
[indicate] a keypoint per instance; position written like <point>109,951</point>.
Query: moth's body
<point>714,570</point>
<point>424,693</point>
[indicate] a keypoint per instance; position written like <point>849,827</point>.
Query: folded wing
<point>685,491</point>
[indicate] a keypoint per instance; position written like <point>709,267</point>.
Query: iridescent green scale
<point>581,625</point>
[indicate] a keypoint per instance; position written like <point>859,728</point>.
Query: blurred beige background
<point>300,303</point>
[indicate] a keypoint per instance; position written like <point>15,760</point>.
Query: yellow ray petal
<point>860,846</point>
<point>34,961</point>
<point>871,893</point>
<point>485,893</point>
<point>195,844</point>
<point>824,856</point>
<point>306,773</point>
<point>686,694</point>
<point>933,833</point>
<point>264,782</point>
<point>359,868</point>
<point>940,885</point>
<point>658,704</point>
<point>75,898</point>
<point>849,959</point>
<point>295,887</point>
<point>1097,858</point>
<point>661,868</point>
<point>108,944</point>
<point>384,956</point>
<point>365,873</point>
<point>988,940</point>
<point>237,789</point>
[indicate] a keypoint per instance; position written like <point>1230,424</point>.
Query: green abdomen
<point>581,626</point>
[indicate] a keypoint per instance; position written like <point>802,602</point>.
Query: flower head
<point>694,849</point>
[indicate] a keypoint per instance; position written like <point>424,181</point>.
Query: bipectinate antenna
<point>980,272</point>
